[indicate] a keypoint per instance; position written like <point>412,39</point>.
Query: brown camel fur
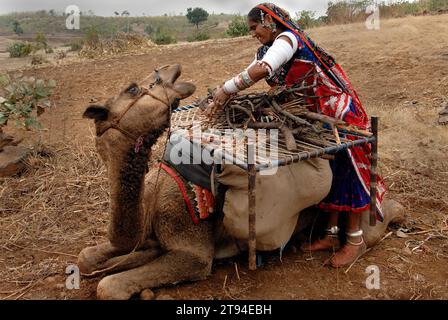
<point>152,239</point>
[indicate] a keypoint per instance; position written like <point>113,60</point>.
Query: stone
<point>12,160</point>
<point>147,294</point>
<point>5,140</point>
<point>443,119</point>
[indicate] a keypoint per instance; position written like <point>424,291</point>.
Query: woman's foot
<point>348,253</point>
<point>324,244</point>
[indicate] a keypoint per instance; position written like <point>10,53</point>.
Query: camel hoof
<point>395,210</point>
<point>112,288</point>
<point>90,259</point>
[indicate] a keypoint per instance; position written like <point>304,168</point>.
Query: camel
<point>152,240</point>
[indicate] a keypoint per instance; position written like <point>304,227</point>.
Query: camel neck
<point>127,189</point>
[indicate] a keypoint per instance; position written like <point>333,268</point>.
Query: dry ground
<point>59,205</point>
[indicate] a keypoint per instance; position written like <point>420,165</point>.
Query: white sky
<point>158,7</point>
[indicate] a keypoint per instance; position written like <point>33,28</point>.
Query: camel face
<point>135,113</point>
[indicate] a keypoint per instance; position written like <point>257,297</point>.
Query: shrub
<point>76,45</point>
<point>163,38</point>
<point>92,36</point>
<point>199,36</point>
<point>22,97</point>
<point>41,40</point>
<point>20,49</point>
<point>17,28</point>
<point>238,27</point>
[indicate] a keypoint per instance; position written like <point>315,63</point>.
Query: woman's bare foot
<point>348,254</point>
<point>326,243</point>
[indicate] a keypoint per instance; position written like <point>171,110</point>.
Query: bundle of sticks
<point>285,109</point>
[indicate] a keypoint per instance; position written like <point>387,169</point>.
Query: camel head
<point>139,111</point>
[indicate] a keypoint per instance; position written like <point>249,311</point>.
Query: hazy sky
<point>158,7</point>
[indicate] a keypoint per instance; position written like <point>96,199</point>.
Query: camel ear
<point>184,89</point>
<point>98,113</point>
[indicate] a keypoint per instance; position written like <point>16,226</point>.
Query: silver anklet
<point>355,234</point>
<point>333,231</point>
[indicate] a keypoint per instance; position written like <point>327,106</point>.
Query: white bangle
<point>230,87</point>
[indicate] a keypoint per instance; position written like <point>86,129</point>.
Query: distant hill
<point>177,26</point>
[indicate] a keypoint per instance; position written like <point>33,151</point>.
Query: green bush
<point>76,45</point>
<point>163,38</point>
<point>22,97</point>
<point>238,27</point>
<point>92,36</point>
<point>150,29</point>
<point>20,49</point>
<point>199,36</point>
<point>41,40</point>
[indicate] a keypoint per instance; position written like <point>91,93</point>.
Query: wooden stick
<point>373,171</point>
<point>336,134</point>
<point>46,251</point>
<point>237,272</point>
<point>252,217</point>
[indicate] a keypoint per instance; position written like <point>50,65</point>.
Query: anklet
<point>333,231</point>
<point>356,244</point>
<point>355,234</point>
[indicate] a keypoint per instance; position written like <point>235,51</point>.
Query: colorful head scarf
<point>326,61</point>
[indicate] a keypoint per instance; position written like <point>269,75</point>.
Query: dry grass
<point>57,206</point>
<point>120,43</point>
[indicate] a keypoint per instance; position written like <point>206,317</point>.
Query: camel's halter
<point>115,123</point>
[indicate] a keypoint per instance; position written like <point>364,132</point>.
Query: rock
<point>444,105</point>
<point>443,114</point>
<point>6,140</point>
<point>147,294</point>
<point>443,119</point>
<point>12,160</point>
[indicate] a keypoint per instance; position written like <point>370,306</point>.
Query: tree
<point>238,27</point>
<point>196,16</point>
<point>126,13</point>
<point>306,19</point>
<point>16,27</point>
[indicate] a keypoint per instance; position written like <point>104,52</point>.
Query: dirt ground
<point>59,206</point>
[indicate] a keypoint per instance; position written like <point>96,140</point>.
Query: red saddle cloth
<point>200,201</point>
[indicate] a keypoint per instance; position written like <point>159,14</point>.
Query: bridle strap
<point>115,124</point>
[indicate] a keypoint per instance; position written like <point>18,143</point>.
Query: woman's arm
<point>281,51</point>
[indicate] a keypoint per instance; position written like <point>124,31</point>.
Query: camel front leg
<point>170,268</point>
<point>100,259</point>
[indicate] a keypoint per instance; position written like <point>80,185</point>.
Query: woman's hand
<point>220,97</point>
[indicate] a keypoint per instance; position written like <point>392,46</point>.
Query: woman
<point>287,57</point>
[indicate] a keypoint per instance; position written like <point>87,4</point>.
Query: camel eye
<point>133,89</point>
